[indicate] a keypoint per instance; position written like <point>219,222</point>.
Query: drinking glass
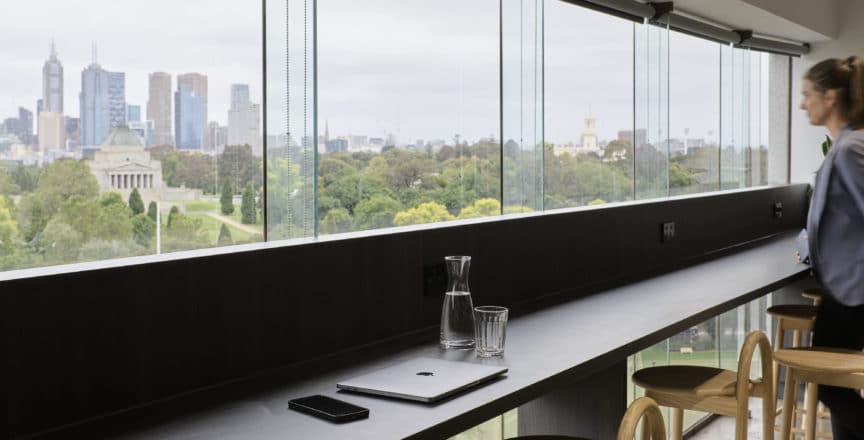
<point>490,330</point>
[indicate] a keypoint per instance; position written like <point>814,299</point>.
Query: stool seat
<point>546,437</point>
<point>813,293</point>
<point>823,359</point>
<point>687,379</point>
<point>794,311</point>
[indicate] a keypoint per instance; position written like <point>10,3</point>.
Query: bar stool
<point>797,318</point>
<point>817,366</point>
<point>652,426</point>
<point>715,390</point>
<point>814,294</point>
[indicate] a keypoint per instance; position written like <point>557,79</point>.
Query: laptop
<point>422,379</point>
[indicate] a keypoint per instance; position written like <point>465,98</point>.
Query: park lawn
<point>212,226</point>
<point>201,206</point>
<point>237,216</point>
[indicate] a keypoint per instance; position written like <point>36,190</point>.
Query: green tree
<point>185,233</point>
<point>336,221</point>
<point>62,180</point>
<point>481,208</point>
<point>429,212</point>
<point>32,216</point>
<point>102,250</point>
<point>172,214</point>
<point>247,206</point>
<point>152,211</point>
<point>237,164</point>
<point>104,219</point>
<point>224,236</point>
<point>136,204</point>
<point>143,229</point>
<point>61,242</point>
<point>227,199</point>
<point>376,212</point>
<point>8,229</point>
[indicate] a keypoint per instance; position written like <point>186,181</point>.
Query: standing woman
<point>834,97</point>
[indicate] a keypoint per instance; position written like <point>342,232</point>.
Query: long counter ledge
<point>544,350</point>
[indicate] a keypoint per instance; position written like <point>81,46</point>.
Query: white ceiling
<point>806,21</point>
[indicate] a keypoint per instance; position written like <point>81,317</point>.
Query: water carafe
<point>457,314</point>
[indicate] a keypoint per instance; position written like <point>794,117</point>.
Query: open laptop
<point>422,379</point>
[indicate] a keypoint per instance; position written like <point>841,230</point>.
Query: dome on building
<point>122,136</point>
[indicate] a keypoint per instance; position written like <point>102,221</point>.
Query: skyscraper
<point>25,126</point>
<point>244,119</point>
<point>196,84</point>
<point>188,129</point>
<point>133,113</point>
<point>52,83</point>
<point>52,131</point>
<point>103,102</point>
<point>159,108</point>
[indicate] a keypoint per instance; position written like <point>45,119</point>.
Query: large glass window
<point>588,93</point>
<point>381,114</point>
<point>121,139</point>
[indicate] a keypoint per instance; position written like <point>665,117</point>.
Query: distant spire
<point>95,55</point>
<point>326,130</point>
<point>53,49</point>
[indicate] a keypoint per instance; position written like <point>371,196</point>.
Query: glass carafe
<point>457,314</point>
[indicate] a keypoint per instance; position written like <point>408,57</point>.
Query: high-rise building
<point>196,83</point>
<point>218,137</point>
<point>188,129</point>
<point>73,132</point>
<point>25,126</point>
<point>103,103</point>
<point>133,113</point>
<point>159,109</point>
<point>244,119</point>
<point>52,131</point>
<point>52,83</point>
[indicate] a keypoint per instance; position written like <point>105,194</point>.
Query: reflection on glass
<point>522,104</point>
<point>652,111</point>
<point>588,159</point>
<point>291,109</point>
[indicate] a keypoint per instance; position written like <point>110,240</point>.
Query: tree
<point>8,229</point>
<point>172,214</point>
<point>62,180</point>
<point>135,202</point>
<point>61,242</point>
<point>185,233</point>
<point>336,221</point>
<point>247,206</point>
<point>224,236</point>
<point>227,199</point>
<point>237,165</point>
<point>481,208</point>
<point>376,212</point>
<point>429,212</point>
<point>152,211</point>
<point>143,229</point>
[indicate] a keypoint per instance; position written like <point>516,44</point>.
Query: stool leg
<point>778,344</point>
<point>677,422</point>
<point>810,407</point>
<point>741,418</point>
<point>788,407</point>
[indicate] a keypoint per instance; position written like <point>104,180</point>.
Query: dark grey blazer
<point>835,224</point>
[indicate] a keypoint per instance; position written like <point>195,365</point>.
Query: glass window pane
<point>408,113</point>
<point>522,104</point>
<point>588,103</point>
<point>694,78</point>
<point>121,141</point>
<point>652,111</point>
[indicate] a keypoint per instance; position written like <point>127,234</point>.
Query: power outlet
<point>667,232</point>
<point>777,210</point>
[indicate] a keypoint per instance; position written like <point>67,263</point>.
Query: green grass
<point>212,226</point>
<point>201,206</point>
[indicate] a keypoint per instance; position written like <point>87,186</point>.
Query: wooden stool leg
<point>741,418</point>
<point>788,407</point>
<point>677,422</point>
<point>810,406</point>
<point>778,344</point>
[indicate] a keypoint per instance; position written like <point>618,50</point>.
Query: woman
<point>834,98</point>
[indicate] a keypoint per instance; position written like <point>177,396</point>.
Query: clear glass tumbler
<point>490,329</point>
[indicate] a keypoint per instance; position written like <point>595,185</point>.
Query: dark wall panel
<point>82,344</point>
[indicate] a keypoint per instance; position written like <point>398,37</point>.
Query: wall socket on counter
<point>667,232</point>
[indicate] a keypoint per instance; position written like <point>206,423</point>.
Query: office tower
<point>25,126</point>
<point>159,109</point>
<point>52,84</point>
<point>188,107</point>
<point>218,137</point>
<point>196,83</point>
<point>244,119</point>
<point>52,131</point>
<point>133,113</point>
<point>103,102</point>
<point>73,132</point>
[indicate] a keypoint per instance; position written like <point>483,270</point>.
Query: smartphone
<point>329,408</point>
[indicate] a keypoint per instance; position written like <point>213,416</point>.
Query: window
<point>121,140</point>
<point>389,113</point>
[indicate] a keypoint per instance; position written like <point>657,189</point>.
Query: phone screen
<point>329,408</point>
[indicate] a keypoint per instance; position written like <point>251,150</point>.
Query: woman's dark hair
<point>847,77</point>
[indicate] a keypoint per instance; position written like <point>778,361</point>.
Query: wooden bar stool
<point>715,390</point>
<point>814,294</point>
<point>797,318</point>
<point>817,366</point>
<point>652,426</point>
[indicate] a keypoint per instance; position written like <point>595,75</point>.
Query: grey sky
<point>419,69</point>
<point>219,38</point>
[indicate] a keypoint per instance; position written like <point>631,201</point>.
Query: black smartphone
<point>329,408</point>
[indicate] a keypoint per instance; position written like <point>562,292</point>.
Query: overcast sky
<point>418,69</point>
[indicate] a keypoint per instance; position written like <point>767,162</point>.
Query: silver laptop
<point>422,379</point>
